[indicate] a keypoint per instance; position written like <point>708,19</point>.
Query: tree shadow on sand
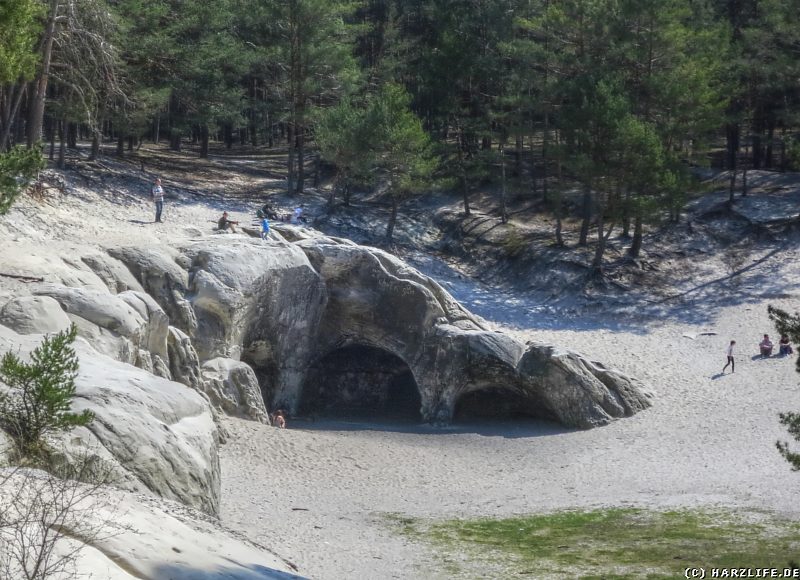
<point>235,572</point>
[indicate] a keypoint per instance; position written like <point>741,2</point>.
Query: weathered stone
<point>154,434</point>
<point>34,315</point>
<point>233,387</point>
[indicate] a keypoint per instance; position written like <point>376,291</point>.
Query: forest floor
<point>329,495</point>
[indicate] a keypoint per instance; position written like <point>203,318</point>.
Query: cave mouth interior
<point>361,382</point>
<point>500,404</point>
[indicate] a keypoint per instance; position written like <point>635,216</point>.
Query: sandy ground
<point>324,494</point>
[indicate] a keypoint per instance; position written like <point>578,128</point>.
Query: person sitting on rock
<point>784,346</point>
<point>766,346</point>
<point>225,224</point>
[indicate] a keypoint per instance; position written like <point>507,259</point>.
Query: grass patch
<point>615,543</point>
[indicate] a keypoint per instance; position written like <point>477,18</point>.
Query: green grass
<point>615,543</point>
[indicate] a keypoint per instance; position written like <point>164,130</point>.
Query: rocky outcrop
<point>153,433</point>
<point>233,387</point>
<point>34,315</point>
<point>285,308</point>
<point>378,301</point>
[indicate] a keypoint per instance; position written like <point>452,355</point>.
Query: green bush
<point>40,394</point>
<point>17,167</point>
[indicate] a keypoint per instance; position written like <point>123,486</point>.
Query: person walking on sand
<point>157,193</point>
<point>730,358</point>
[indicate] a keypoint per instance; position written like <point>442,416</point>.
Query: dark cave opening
<point>362,382</point>
<point>500,403</point>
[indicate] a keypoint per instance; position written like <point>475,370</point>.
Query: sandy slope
<point>319,493</point>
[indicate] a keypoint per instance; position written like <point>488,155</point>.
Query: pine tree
<point>41,393</point>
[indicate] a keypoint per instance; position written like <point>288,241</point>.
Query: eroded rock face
<point>287,308</point>
<point>155,434</point>
<point>233,387</point>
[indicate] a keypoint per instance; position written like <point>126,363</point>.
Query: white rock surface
<point>156,434</point>
<point>123,536</point>
<point>34,315</point>
<point>233,387</point>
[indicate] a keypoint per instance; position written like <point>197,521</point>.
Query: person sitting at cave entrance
<point>784,346</point>
<point>279,419</point>
<point>225,224</point>
<point>766,346</point>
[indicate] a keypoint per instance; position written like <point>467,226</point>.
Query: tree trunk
<point>157,131</point>
<point>503,209</point>
<point>317,168</point>
<point>636,246</point>
<point>120,146</point>
<point>600,249</point>
<point>95,152</point>
<point>626,214</point>
<point>12,117</point>
<point>392,220</point>
<point>290,162</point>
<point>72,135</point>
<point>463,171</point>
<point>204,142</point>
<point>731,187</point>
<point>39,86</point>
<point>301,168</point>
<point>131,142</point>
<point>586,212</point>
<point>770,137</point>
<point>62,146</point>
<point>346,193</point>
<point>744,183</point>
<point>52,154</point>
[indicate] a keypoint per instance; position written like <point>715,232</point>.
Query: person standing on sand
<point>264,228</point>
<point>730,358</point>
<point>157,193</point>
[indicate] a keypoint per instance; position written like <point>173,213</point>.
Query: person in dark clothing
<point>225,224</point>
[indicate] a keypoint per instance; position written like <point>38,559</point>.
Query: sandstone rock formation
<point>295,311</point>
<point>233,387</point>
<point>155,434</point>
<point>323,324</point>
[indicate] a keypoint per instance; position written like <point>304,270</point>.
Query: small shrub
<point>514,244</point>
<point>17,167</point>
<point>41,393</point>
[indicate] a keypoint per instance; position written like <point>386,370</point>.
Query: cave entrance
<point>500,404</point>
<point>359,381</point>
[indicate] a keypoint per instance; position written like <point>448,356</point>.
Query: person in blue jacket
<point>264,228</point>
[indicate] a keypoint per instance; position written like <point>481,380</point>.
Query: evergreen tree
<point>400,148</point>
<point>17,167</point>
<point>41,393</point>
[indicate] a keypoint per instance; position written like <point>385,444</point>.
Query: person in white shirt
<point>298,212</point>
<point>157,193</point>
<point>730,358</point>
